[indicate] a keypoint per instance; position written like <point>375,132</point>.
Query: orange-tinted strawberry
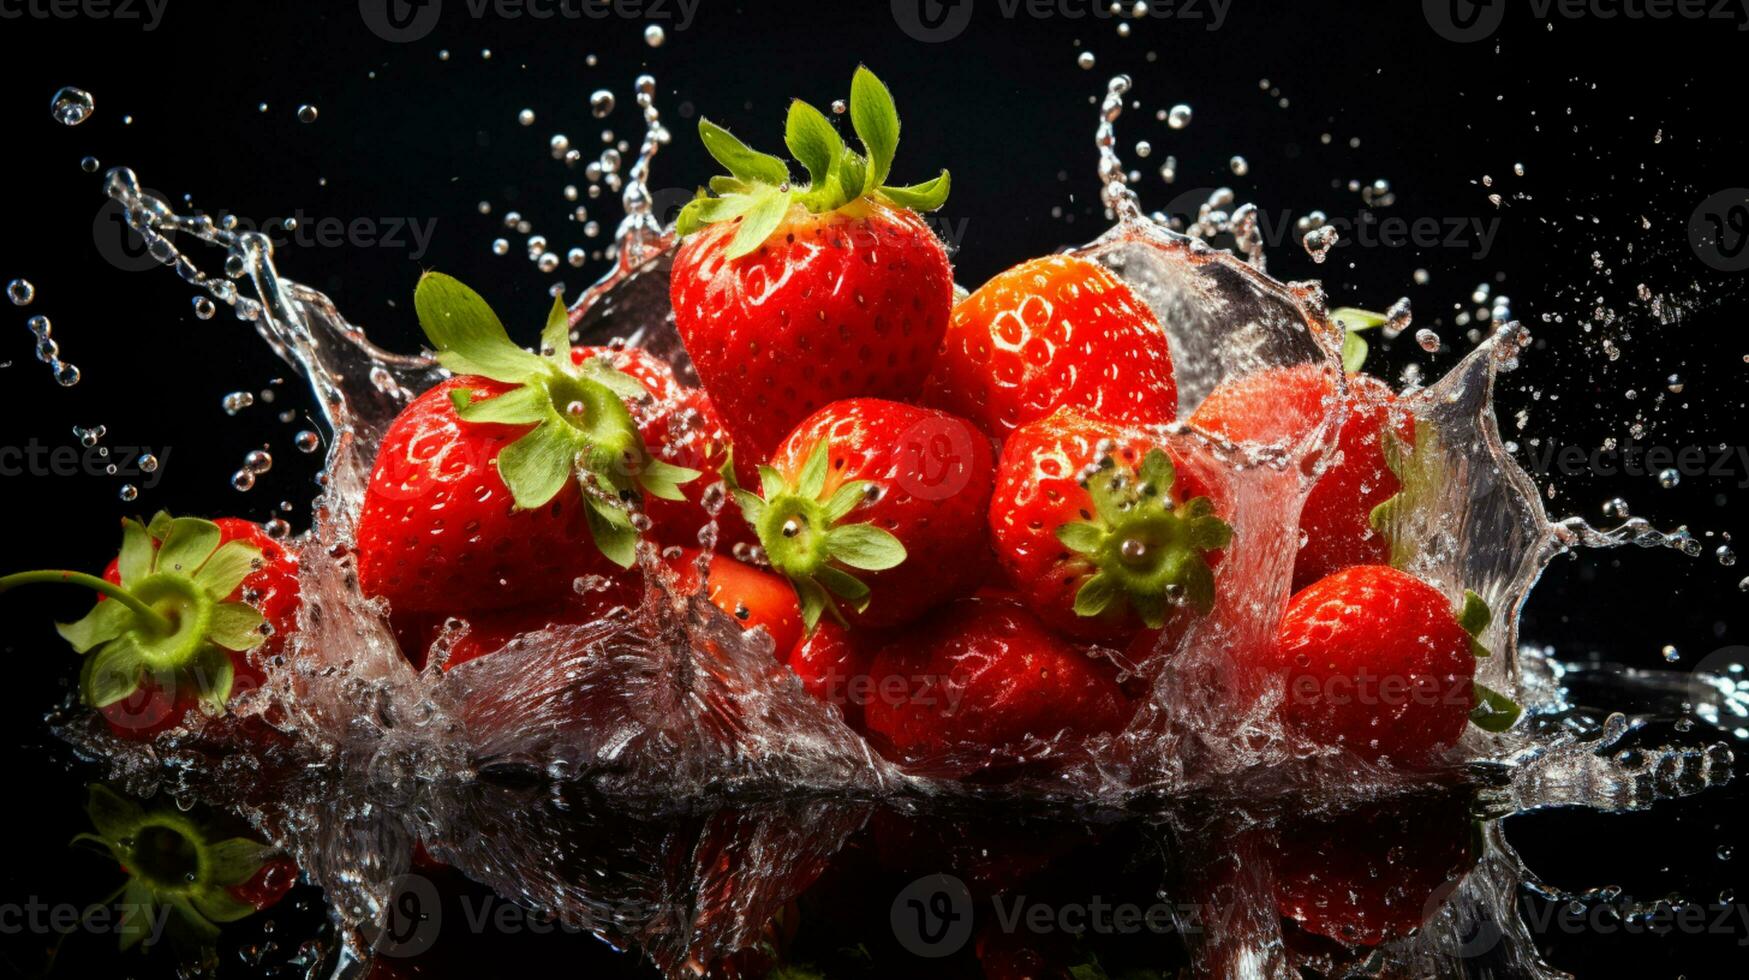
<point>1054,332</point>
<point>789,295</point>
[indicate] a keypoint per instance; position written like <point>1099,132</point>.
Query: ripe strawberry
<point>484,486</point>
<point>754,597</point>
<point>833,663</point>
<point>1285,405</point>
<point>179,613</point>
<point>175,868</point>
<point>1376,662</point>
<point>690,433</point>
<point>866,484</point>
<point>1053,332</point>
<point>789,296</point>
<point>983,677</point>
<point>478,635</point>
<point>1093,526</point>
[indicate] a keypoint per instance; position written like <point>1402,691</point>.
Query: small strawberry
<point>1053,332</point>
<point>866,485</point>
<point>1376,662</point>
<point>1285,405</point>
<point>754,597</point>
<point>179,613</point>
<point>789,296</point>
<point>173,864</point>
<point>1093,527</point>
<point>485,486</point>
<point>983,677</point>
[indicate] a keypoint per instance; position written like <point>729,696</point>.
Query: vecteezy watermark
<point>932,916</point>
<point>934,21</point>
<point>402,21</point>
<point>37,917</point>
<point>123,247</point>
<point>147,13</point>
<point>1636,460</point>
<point>1465,21</point>
<point>412,921</point>
<point>1719,230</point>
<point>35,459</point>
<point>1276,228</point>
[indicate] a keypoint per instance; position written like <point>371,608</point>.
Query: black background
<point>1613,119</point>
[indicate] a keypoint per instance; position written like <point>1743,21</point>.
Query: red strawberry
<point>478,635</point>
<point>789,296</point>
<point>1048,333</point>
<point>984,676</point>
<point>833,663</point>
<point>689,433</point>
<point>754,597</point>
<point>1376,662</point>
<point>486,487</point>
<point>1285,405</point>
<point>1093,526</point>
<point>866,485</point>
<point>186,615</point>
<point>175,867</point>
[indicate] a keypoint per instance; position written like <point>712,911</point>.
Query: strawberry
<point>470,638</point>
<point>174,864</point>
<point>1376,662</point>
<point>1286,405</point>
<point>754,597</point>
<point>984,677</point>
<point>186,615</point>
<point>789,296</point>
<point>690,433</point>
<point>1099,530</point>
<point>486,487</point>
<point>833,664</point>
<point>1053,332</point>
<point>866,484</point>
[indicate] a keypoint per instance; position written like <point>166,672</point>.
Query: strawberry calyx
<point>801,528</point>
<point>1494,712</point>
<point>1353,321</point>
<point>169,616</point>
<point>758,189</point>
<point>580,426</point>
<point>1420,471</point>
<point>1149,552</point>
<point>172,863</point>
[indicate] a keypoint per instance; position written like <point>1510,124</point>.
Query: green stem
<point>151,616</point>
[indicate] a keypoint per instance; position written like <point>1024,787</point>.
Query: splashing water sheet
<point>642,785</point>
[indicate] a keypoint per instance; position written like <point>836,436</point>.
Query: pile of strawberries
<point>952,519</point>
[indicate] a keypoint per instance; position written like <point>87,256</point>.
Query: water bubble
<point>66,375</point>
<point>576,257</point>
<point>1428,340</point>
<point>548,262</point>
<point>1616,509</point>
<point>1239,166</point>
<point>500,246</point>
<point>1143,148</point>
<point>148,463</point>
<point>277,529</point>
<point>1671,654</point>
<point>242,481</point>
<point>1319,242</point>
<point>307,113</point>
<point>654,35</point>
<point>839,107</point>
<point>72,106</point>
<point>257,461</point>
<point>20,292</point>
<point>1178,116</point>
<point>600,103</point>
<point>558,145</point>
<point>526,117</point>
<point>1726,556</point>
<point>89,437</point>
<point>1743,586</point>
<point>1674,384</point>
<point>1726,852</point>
<point>204,308</point>
<point>89,164</point>
<point>1669,478</point>
<point>1084,59</point>
<point>128,492</point>
<point>236,401</point>
<point>39,325</point>
<point>307,441</point>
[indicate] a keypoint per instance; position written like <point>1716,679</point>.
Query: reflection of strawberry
<point>754,597</point>
<point>1285,405</point>
<point>862,485</point>
<point>1095,529</point>
<point>179,613</point>
<point>791,295</point>
<point>486,488</point>
<point>1048,333</point>
<point>984,675</point>
<point>1376,873</point>
<point>1376,662</point>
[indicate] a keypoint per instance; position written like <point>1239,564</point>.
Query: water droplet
<point>1726,556</point>
<point>1178,116</point>
<point>1674,384</point>
<point>839,107</point>
<point>89,437</point>
<point>257,461</point>
<point>600,103</point>
<point>1084,59</point>
<point>128,492</point>
<point>1671,654</point>
<point>1616,509</point>
<point>242,481</point>
<point>1726,852</point>
<point>526,117</point>
<point>20,292</point>
<point>1239,166</point>
<point>148,463</point>
<point>1428,340</point>
<point>307,441</point>
<point>89,164</point>
<point>1669,478</point>
<point>72,106</point>
<point>66,375</point>
<point>500,246</point>
<point>307,113</point>
<point>654,35</point>
<point>236,401</point>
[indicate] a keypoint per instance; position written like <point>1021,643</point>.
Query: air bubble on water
<point>1428,340</point>
<point>600,103</point>
<point>307,113</point>
<point>1669,478</point>
<point>72,106</point>
<point>236,401</point>
<point>1178,116</point>
<point>654,35</point>
<point>307,441</point>
<point>1239,166</point>
<point>242,481</point>
<point>1085,59</point>
<point>20,292</point>
<point>526,117</point>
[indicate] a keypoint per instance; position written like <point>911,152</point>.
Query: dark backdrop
<point>1623,126</point>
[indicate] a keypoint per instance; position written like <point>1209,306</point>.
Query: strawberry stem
<point>49,576</point>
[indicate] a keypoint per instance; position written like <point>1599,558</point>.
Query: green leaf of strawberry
<point>1494,712</point>
<point>1420,472</point>
<point>1149,552</point>
<point>798,524</point>
<point>1354,346</point>
<point>759,190</point>
<point>581,428</point>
